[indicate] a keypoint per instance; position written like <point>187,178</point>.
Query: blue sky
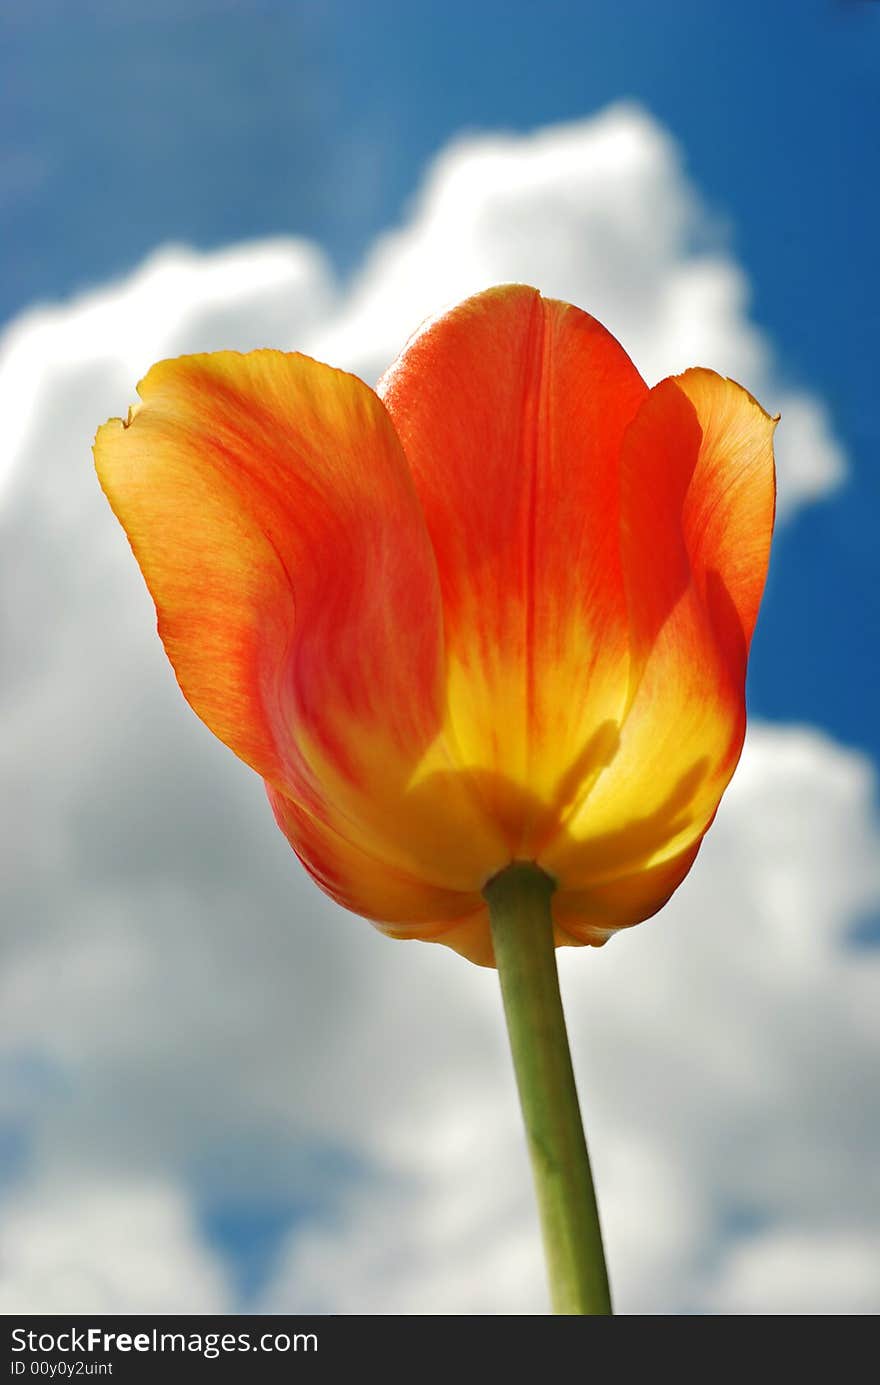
<point>127,126</point>
<point>191,1096</point>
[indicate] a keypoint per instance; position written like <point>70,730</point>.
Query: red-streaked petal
<point>731,503</point>
<point>511,409</point>
<point>697,500</point>
<point>270,506</point>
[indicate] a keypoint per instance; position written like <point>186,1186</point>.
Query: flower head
<point>499,609</point>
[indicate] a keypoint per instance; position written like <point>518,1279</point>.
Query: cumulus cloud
<point>822,1273</point>
<point>123,1247</point>
<point>602,214</point>
<point>599,212</point>
<point>195,1039</point>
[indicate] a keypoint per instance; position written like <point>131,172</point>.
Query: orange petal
<point>395,900</point>
<point>591,915</point>
<point>397,903</point>
<point>511,409</point>
<point>731,504</point>
<point>697,503</point>
<point>269,504</point>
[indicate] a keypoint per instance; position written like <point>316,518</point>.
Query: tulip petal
<point>697,506</point>
<point>271,509</point>
<point>387,895</point>
<point>591,915</point>
<point>731,503</point>
<point>511,409</point>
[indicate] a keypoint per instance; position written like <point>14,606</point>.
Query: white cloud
<point>187,1023</point>
<point>125,1247</point>
<point>802,1273</point>
<point>599,212</point>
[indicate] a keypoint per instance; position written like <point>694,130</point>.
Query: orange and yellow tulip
<point>499,609</point>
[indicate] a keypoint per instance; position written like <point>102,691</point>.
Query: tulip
<point>483,633</point>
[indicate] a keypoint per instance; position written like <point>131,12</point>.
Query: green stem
<point>522,933</point>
